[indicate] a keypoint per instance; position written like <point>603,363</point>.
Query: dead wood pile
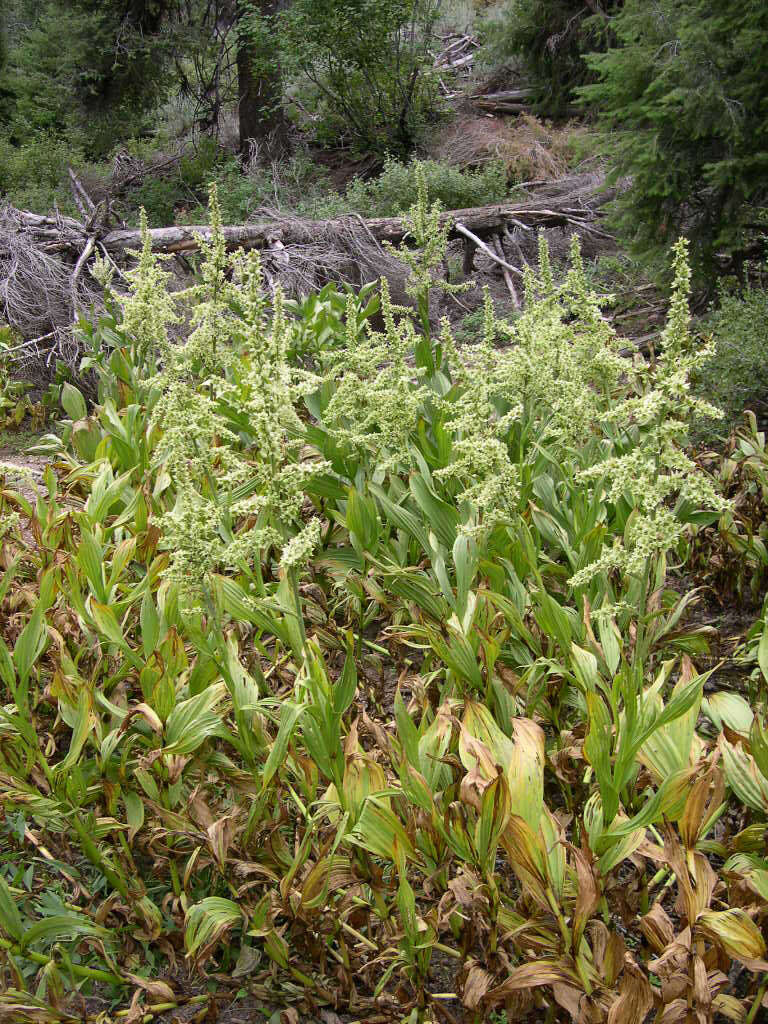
<point>45,280</point>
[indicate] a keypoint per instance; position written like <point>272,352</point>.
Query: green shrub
<point>370,62</point>
<point>34,175</point>
<point>186,184</point>
<point>737,373</point>
<point>296,184</point>
<point>392,192</point>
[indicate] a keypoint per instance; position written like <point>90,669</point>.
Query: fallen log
<point>497,107</point>
<point>46,261</point>
<point>483,221</point>
<point>504,96</point>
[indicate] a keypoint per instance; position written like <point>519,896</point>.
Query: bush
<point>296,184</point>
<point>34,175</point>
<point>392,192</point>
<point>737,374</point>
<point>371,66</point>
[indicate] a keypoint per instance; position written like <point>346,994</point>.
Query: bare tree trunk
<point>261,114</point>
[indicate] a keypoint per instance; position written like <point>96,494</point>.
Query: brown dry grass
<point>529,148</point>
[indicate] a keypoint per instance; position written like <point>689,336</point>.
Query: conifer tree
<point>682,102</point>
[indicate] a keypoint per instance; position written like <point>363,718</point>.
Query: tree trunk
<point>260,92</point>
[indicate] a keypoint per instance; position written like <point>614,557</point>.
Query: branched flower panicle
<point>429,234</point>
<point>229,427</point>
<point>656,473</point>
<point>378,395</point>
<point>149,309</point>
<point>562,364</point>
<point>481,462</point>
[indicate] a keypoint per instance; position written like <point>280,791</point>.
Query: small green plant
<point>391,192</point>
<point>735,377</point>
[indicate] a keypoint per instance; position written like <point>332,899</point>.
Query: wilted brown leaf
<point>635,997</point>
<point>159,990</point>
<point>476,983</point>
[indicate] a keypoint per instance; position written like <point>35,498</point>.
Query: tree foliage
<point>370,62</point>
<point>682,102</point>
<point>88,69</point>
<point>549,38</point>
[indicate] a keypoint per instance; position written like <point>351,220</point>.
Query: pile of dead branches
<point>46,261</point>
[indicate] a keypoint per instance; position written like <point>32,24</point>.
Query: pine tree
<point>682,103</point>
<point>88,68</point>
<point>549,39</point>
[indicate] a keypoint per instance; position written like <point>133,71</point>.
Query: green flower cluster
<point>230,445</point>
<point>654,471</point>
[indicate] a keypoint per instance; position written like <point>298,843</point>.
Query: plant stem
<point>92,973</point>
<point>757,1001</point>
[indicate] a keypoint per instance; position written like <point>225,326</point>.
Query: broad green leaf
<point>80,732</point>
<point>73,402</point>
<point>610,641</point>
<point>415,587</point>
<point>553,620</point>
<point>196,719</point>
<point>459,656</point>
<point>90,558</point>
<point>380,832</point>
<point>107,624</point>
<point>406,731</point>
<point>762,651</point>
<point>59,927</point>
<point>208,922</point>
<point>669,747</point>
<point>585,669</point>
<point>403,519</point>
<point>754,869</point>
<point>728,709</point>
<point>362,521</point>
<point>134,811</point>
<point>742,775</point>
<point>7,669</point>
<point>345,687</point>
<point>289,716</point>
<point>10,919</point>
<point>150,624</point>
<point>31,643</point>
<point>465,558</point>
<point>442,518</point>
<point>8,576</point>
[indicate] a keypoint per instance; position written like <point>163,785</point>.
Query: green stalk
<point>758,1000</point>
<point>294,581</point>
<point>94,855</point>
<point>90,973</point>
<point>154,1008</point>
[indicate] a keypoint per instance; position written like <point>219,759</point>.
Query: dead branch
<point>46,261</point>
<point>479,244</point>
<point>496,242</point>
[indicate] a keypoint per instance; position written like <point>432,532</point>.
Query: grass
<point>16,442</point>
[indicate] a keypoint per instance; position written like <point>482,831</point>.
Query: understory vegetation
<point>383,627</point>
<point>338,659</point>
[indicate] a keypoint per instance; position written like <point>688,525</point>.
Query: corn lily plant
<point>332,651</point>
